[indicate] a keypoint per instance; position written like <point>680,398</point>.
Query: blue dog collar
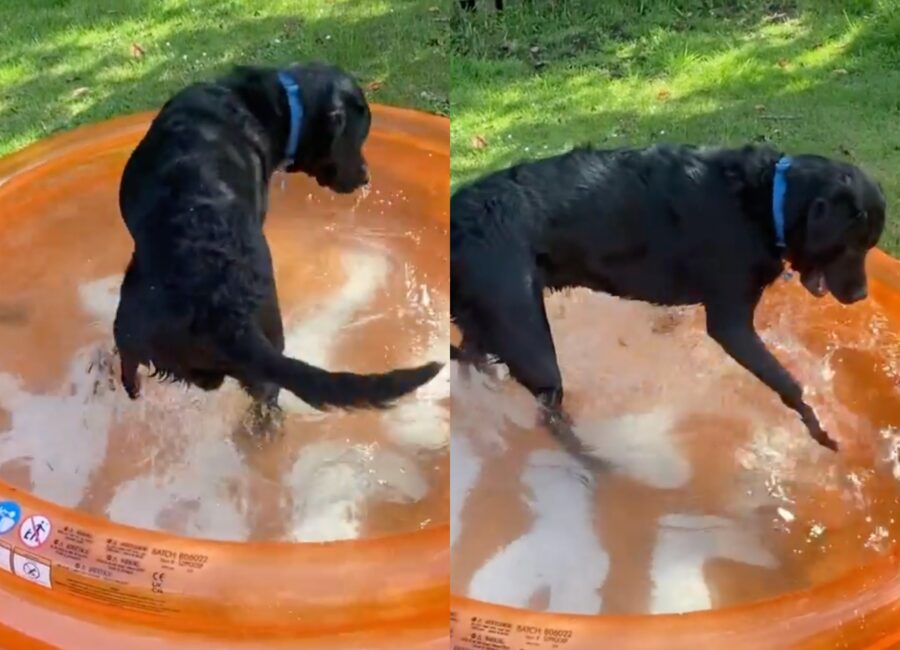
<point>292,90</point>
<point>779,189</point>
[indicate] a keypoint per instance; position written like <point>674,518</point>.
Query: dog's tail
<point>320,388</point>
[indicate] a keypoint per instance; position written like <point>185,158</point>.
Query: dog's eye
<point>862,215</point>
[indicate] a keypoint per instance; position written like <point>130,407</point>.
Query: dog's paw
<point>132,386</point>
<point>815,429</point>
<point>819,435</point>
<point>826,441</point>
<point>264,421</point>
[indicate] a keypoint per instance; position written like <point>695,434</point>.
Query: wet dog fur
<point>667,224</point>
<point>198,302</point>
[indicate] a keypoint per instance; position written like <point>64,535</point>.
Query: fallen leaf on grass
<point>783,63</point>
<point>478,142</point>
<point>840,72</point>
<point>373,86</point>
<point>663,95</point>
<point>79,92</point>
<point>137,51</point>
<point>759,108</point>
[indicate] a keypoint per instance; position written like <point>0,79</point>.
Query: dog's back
<point>630,222</point>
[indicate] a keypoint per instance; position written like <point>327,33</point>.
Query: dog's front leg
<point>130,378</point>
<point>732,327</point>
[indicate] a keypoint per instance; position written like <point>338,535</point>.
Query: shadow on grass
<point>825,83</point>
<point>73,79</point>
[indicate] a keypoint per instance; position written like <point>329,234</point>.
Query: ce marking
<point>157,585</point>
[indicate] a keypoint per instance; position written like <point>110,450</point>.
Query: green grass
<point>816,76</point>
<point>67,62</point>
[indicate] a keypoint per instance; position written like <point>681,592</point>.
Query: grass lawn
<point>816,76</point>
<point>67,62</point>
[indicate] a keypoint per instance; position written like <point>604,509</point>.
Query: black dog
<point>469,5</point>
<point>670,225</point>
<point>198,302</point>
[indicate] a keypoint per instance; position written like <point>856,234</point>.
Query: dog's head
<point>335,128</point>
<point>839,214</point>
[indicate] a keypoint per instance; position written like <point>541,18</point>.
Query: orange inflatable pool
<point>721,524</point>
<point>163,522</point>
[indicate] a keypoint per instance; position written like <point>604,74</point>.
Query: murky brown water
<point>719,496</point>
<point>363,285</point>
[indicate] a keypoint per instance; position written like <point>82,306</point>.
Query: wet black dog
<point>469,5</point>
<point>671,225</point>
<point>198,302</point>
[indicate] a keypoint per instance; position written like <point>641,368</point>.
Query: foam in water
<point>64,430</point>
<point>716,496</point>
<point>68,430</point>
<point>464,472</point>
<point>331,482</point>
<point>192,498</point>
<point>424,423</point>
<point>686,543</point>
<point>559,554</point>
<point>191,474</point>
<point>313,339</point>
<point>641,446</point>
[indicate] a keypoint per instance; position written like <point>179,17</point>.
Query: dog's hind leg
<point>130,378</point>
<point>469,354</point>
<point>127,331</point>
<point>265,412</point>
<point>516,329</point>
<point>265,415</point>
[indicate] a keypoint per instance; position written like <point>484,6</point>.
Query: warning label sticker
<point>36,570</point>
<point>125,573</point>
<point>481,633</point>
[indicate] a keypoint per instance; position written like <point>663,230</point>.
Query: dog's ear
<point>820,229</point>
<point>346,107</point>
<point>830,216</point>
<point>337,119</point>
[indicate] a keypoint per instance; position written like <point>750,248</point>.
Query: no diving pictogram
<point>34,531</point>
<point>31,570</point>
